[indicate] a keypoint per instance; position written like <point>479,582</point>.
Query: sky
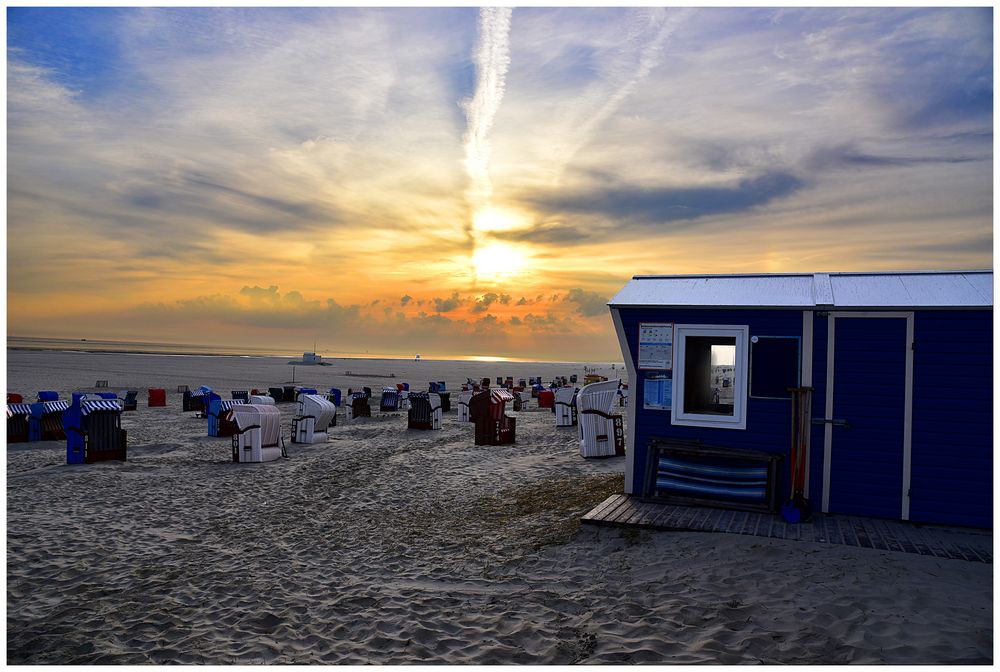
<point>473,182</point>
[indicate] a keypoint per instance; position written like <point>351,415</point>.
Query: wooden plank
<point>608,514</point>
<point>597,512</point>
<point>624,511</point>
<point>637,515</point>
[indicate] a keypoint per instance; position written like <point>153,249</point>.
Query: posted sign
<point>656,345</point>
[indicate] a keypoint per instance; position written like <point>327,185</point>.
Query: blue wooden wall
<point>952,468</point>
<point>952,431</point>
<point>768,420</point>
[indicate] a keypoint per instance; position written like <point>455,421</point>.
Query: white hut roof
<point>897,289</point>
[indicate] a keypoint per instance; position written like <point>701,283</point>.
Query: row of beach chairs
<point>91,423</point>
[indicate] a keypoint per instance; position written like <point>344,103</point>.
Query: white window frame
<point>738,420</point>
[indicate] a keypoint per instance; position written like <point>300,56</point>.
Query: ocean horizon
<point>199,350</point>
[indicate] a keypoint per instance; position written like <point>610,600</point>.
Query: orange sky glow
<point>459,182</point>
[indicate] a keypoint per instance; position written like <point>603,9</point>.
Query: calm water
<point>149,347</point>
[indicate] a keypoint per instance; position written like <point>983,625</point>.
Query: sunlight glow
<point>496,219</point>
<point>496,260</point>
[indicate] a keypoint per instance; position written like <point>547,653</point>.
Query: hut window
<point>710,373</point>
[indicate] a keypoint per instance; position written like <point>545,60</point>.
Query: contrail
<point>492,56</point>
<point>647,31</point>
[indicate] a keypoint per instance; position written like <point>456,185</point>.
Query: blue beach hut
<point>877,387</point>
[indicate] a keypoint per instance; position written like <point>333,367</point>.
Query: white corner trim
<point>827,427</point>
<point>908,419</point>
<point>807,380</point>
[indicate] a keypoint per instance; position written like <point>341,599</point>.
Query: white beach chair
<point>566,406</point>
<point>601,431</point>
<point>315,413</point>
<point>463,406</point>
<point>261,400</point>
<point>258,436</point>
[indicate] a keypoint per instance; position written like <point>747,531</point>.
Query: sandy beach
<point>392,546</point>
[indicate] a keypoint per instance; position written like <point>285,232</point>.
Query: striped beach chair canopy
<point>88,406</point>
<point>320,408</point>
<point>55,406</point>
<point>228,404</point>
<point>205,390</point>
<point>268,418</point>
<point>18,409</point>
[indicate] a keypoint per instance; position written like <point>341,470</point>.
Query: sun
<point>498,260</point>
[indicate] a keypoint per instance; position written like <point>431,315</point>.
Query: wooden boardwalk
<point>885,535</point>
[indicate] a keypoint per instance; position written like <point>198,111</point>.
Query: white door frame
<point>907,402</point>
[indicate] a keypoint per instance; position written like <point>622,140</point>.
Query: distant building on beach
<point>311,359</point>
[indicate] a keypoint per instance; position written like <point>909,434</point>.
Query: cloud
<point>659,205</point>
<point>486,300</point>
<point>447,305</point>
<point>587,303</point>
<point>492,57</point>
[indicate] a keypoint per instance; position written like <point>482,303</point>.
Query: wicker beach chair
<point>93,430</point>
<point>493,426</point>
<point>425,411</point>
<point>130,401</point>
<point>565,406</point>
<point>601,431</point>
<point>463,406</point>
<point>17,422</point>
<point>157,397</point>
<point>389,403</point>
<point>258,433</point>
<point>316,414</point>
<point>46,421</point>
<point>359,406</point>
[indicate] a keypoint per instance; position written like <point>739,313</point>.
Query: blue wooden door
<point>867,437</point>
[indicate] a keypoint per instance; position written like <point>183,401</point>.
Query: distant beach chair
<point>522,400</point>
<point>623,395</point>
<point>425,411</point>
<point>48,395</point>
<point>546,399</point>
<point>220,422</point>
<point>463,406</point>
<point>334,396</point>
<point>404,400</point>
<point>242,395</point>
<point>258,432</point>
<point>181,389</point>
<point>14,398</point>
<point>565,406</point>
<point>445,400</point>
<point>288,393</point>
<point>130,401</point>
<point>193,401</point>
<point>46,420</point>
<point>601,432</point>
<point>315,415</point>
<point>157,397</point>
<point>276,393</point>
<point>17,422</point>
<point>359,406</point>
<point>261,400</point>
<point>493,426</point>
<point>94,431</point>
<point>101,383</point>
<point>389,403</point>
